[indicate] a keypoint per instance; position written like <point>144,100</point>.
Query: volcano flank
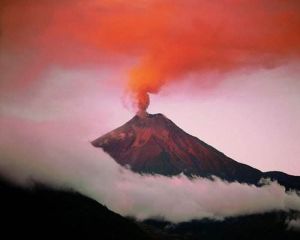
<point>153,144</point>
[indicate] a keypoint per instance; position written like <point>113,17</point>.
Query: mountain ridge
<point>44,212</point>
<point>152,143</point>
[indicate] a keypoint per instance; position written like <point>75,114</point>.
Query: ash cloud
<point>48,153</point>
<point>163,41</point>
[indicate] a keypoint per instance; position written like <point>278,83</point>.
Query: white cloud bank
<point>50,153</point>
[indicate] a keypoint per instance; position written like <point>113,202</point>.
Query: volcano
<point>153,144</point>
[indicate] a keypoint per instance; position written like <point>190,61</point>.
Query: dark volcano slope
<point>151,143</point>
<point>44,213</point>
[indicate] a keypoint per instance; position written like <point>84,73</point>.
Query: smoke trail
<point>163,41</point>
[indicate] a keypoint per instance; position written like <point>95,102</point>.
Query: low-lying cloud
<point>49,153</point>
<point>294,224</point>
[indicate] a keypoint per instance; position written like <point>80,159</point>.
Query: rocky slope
<point>151,143</point>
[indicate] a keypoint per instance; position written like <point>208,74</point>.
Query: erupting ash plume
<point>204,36</point>
<point>143,101</point>
<point>163,41</point>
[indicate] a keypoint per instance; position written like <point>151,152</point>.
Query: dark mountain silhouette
<point>151,143</point>
<point>266,226</point>
<point>46,213</point>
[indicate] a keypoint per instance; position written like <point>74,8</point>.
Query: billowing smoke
<point>161,41</point>
<point>49,153</point>
<point>204,36</point>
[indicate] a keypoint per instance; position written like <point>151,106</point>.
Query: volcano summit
<point>151,143</point>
